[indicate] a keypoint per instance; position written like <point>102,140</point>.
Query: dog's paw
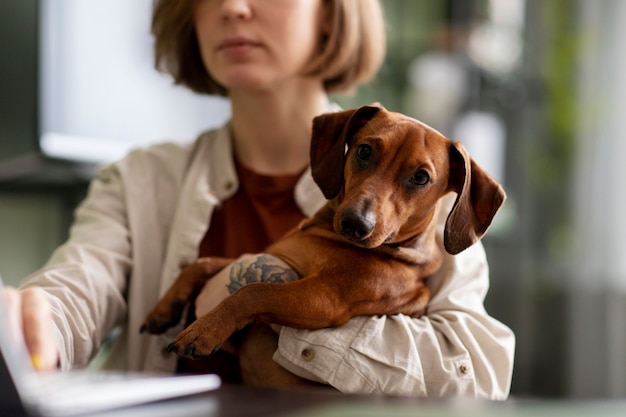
<point>193,344</point>
<point>162,317</point>
<point>190,351</point>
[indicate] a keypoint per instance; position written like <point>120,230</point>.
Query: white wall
<point>98,82</point>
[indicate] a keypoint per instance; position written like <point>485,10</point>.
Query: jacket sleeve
<point>85,278</point>
<point>456,349</point>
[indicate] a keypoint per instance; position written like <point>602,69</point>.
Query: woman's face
<point>257,44</point>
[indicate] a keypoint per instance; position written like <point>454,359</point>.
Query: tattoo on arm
<point>265,268</point>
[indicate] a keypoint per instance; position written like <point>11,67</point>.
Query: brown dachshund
<point>369,250</point>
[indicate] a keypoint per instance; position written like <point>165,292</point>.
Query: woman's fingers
<point>38,329</point>
<point>30,313</point>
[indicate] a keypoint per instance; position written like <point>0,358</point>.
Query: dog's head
<point>386,173</point>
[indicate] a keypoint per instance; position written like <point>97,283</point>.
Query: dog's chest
<point>313,252</point>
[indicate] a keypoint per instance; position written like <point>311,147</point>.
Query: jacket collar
<point>223,181</point>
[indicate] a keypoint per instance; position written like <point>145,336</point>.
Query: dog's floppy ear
<point>331,134</point>
<point>479,197</point>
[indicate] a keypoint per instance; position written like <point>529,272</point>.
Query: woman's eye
<point>421,177</point>
<point>364,153</point>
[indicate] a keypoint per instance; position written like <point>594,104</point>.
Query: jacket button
<point>308,354</point>
<point>464,369</point>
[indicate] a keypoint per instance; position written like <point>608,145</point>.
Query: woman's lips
<point>237,45</point>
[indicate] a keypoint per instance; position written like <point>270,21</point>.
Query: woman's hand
<point>30,314</point>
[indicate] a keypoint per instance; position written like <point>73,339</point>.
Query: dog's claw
<point>189,349</point>
<point>154,327</point>
<point>172,347</point>
<point>178,304</point>
<point>217,348</point>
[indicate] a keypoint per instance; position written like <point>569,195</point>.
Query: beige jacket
<point>142,221</point>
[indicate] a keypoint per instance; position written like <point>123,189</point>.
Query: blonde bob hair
<point>351,53</point>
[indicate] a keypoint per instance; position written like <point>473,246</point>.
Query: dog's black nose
<point>357,226</point>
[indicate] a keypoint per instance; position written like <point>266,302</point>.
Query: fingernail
<point>36,361</point>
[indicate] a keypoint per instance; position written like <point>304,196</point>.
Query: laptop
<point>24,391</point>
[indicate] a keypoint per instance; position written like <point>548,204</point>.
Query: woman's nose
<point>236,9</point>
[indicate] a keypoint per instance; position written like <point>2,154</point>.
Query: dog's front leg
<point>306,303</point>
<point>169,310</point>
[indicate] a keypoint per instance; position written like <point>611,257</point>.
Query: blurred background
<point>535,89</point>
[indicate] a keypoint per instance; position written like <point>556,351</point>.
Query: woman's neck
<point>272,132</point>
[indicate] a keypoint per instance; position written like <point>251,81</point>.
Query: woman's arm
<point>456,349</point>
<point>85,279</point>
<point>245,270</point>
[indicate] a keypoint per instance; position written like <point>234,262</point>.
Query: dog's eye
<point>421,177</point>
<point>363,152</point>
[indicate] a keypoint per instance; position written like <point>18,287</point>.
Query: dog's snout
<point>357,226</point>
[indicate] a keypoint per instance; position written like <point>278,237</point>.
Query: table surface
<point>242,401</point>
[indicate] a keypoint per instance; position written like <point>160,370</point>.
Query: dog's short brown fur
<point>369,250</point>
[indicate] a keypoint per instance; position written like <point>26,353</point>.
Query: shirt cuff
<point>319,355</point>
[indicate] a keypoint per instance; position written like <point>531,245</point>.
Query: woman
<point>145,217</point>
